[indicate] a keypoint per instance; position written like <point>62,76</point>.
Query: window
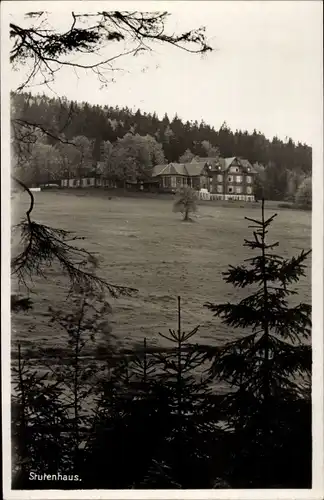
<point>219,178</point>
<point>173,182</point>
<point>249,179</point>
<point>249,190</point>
<point>88,182</point>
<point>230,178</point>
<point>248,169</point>
<point>238,178</point>
<point>219,189</point>
<point>230,190</point>
<point>238,190</point>
<point>74,182</point>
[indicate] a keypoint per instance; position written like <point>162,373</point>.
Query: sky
<point>265,72</point>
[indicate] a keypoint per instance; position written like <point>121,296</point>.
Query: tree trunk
<point>186,216</point>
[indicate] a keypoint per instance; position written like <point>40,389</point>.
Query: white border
<point>317,492</point>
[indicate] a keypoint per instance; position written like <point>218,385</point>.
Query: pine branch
<point>50,50</point>
<point>44,245</point>
<point>20,303</point>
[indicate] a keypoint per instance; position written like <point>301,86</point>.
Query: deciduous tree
<point>41,165</point>
<point>211,151</point>
<point>186,157</point>
<point>83,159</point>
<point>133,155</point>
<point>304,193</point>
<point>186,202</point>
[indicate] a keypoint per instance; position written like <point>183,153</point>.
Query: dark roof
<point>225,163</point>
<point>174,169</point>
<point>215,163</point>
<point>157,170</point>
<point>219,164</point>
<point>196,167</point>
<point>246,164</point>
<point>185,169</point>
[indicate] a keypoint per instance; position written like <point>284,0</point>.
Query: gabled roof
<point>246,164</point>
<point>157,170</point>
<point>175,169</point>
<point>185,169</point>
<point>225,163</point>
<point>194,168</point>
<point>170,169</point>
<point>229,161</point>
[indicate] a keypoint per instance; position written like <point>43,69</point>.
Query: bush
<point>303,196</point>
<point>186,202</point>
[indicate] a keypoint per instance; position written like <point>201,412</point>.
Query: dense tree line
<point>282,166</point>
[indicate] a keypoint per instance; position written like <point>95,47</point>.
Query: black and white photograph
<point>162,249</point>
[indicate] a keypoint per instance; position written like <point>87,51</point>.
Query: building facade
<point>223,178</point>
<point>87,182</point>
<point>176,175</point>
<point>233,178</point>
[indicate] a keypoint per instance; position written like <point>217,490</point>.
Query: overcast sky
<point>265,72</point>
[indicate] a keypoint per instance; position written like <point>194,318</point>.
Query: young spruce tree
<point>268,412</point>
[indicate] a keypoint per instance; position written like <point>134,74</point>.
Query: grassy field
<point>143,244</point>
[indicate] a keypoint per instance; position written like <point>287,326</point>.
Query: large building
<point>221,178</point>
<point>233,178</point>
<point>176,175</point>
<point>226,178</point>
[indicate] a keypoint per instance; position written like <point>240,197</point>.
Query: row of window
<point>174,181</point>
<point>81,182</point>
<point>237,169</point>
<point>236,189</point>
<point>234,178</point>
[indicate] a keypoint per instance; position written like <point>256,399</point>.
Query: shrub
<point>186,202</point>
<point>303,196</point>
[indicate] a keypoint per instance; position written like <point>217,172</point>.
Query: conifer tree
<point>157,424</point>
<point>268,415</point>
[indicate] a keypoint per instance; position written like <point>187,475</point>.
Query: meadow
<point>143,244</point>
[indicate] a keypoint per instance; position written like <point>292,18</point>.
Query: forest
<point>122,143</point>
